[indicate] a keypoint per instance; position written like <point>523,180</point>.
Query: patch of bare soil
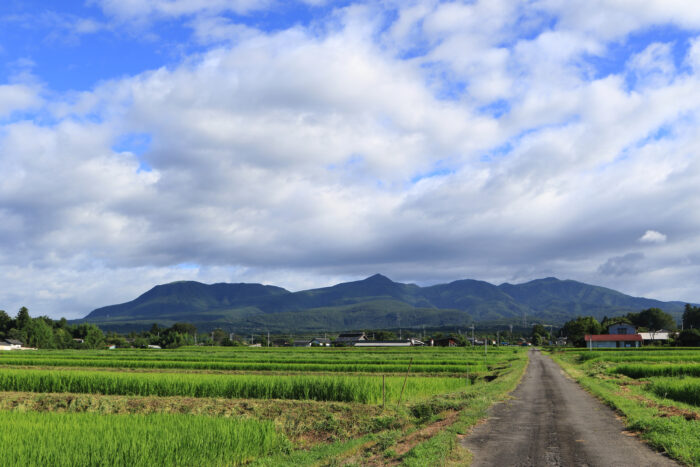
<point>409,442</point>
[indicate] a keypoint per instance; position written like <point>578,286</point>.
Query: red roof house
<point>612,340</point>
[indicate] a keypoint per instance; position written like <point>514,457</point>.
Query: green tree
<point>173,340</point>
<point>5,323</point>
<point>652,319</point>
<point>40,334</point>
<point>218,336</point>
<point>689,338</point>
<point>22,319</point>
<point>94,338</point>
<point>184,328</point>
<point>691,317</point>
<point>577,328</point>
<point>62,338</point>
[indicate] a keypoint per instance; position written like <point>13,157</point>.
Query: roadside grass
<point>664,424</point>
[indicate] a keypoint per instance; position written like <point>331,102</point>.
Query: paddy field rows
<point>233,406</point>
<point>657,389</point>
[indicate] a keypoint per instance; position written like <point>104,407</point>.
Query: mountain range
<point>376,302</point>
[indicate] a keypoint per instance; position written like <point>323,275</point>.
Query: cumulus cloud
<point>459,140</point>
<point>18,97</point>
<point>652,236</point>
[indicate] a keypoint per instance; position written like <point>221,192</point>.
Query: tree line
<point>649,320</point>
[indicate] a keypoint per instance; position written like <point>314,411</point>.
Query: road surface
<point>551,421</point>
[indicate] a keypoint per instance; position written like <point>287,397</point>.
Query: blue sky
<point>310,142</point>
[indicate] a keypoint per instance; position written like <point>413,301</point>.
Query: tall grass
<point>70,439</point>
<point>321,387</point>
<point>650,371</point>
<point>360,367</point>
<point>683,390</point>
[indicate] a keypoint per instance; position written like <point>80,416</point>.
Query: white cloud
<point>303,159</point>
<point>18,97</point>
<point>652,236</point>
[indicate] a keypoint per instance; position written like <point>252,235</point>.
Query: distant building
<point>10,344</point>
<point>605,341</point>
<point>152,346</point>
<point>403,343</point>
<point>443,342</point>
<point>662,335</point>
<point>622,328</point>
<point>320,342</point>
<point>302,343</point>
<point>350,338</point>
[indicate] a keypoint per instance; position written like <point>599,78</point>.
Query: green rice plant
<point>683,390</point>
<point>362,367</point>
<point>320,387</point>
<point>70,439</point>
<point>649,371</point>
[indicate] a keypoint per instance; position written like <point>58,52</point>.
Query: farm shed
<point>302,343</point>
<point>404,343</point>
<point>349,338</point>
<point>598,341</point>
<point>321,342</point>
<point>660,335</point>
<point>10,344</point>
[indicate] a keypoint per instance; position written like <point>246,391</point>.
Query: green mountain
<point>375,302</point>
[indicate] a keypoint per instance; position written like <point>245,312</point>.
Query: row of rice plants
<point>70,439</point>
<point>683,390</point>
<point>366,389</point>
<point>280,354</point>
<point>243,366</point>
<point>651,370</point>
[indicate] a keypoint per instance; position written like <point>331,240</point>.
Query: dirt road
<point>553,422</point>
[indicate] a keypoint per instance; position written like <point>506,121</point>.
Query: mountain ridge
<point>373,302</point>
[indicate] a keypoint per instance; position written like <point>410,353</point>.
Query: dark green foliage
<point>22,319</point>
<point>652,319</point>
<point>577,328</point>
<point>691,317</point>
<point>689,338</point>
<point>5,323</point>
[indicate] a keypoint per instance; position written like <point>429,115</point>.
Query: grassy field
<point>261,406</point>
<point>657,390</point>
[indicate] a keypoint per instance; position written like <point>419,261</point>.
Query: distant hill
<point>375,302</point>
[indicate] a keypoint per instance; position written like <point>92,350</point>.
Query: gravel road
<point>551,421</point>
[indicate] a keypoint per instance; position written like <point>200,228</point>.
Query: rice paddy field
<point>247,406</point>
<point>657,389</point>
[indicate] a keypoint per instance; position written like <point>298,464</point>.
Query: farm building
<point>10,344</point>
<point>443,342</point>
<point>349,338</point>
<point>597,341</point>
<point>622,328</point>
<point>661,335</point>
<point>404,343</point>
<point>320,342</point>
<point>301,343</point>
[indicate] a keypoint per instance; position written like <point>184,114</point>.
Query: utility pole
<point>472,334</point>
<point>268,338</point>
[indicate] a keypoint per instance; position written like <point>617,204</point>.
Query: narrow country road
<point>551,421</point>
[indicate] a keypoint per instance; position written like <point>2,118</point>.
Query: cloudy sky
<point>303,143</point>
